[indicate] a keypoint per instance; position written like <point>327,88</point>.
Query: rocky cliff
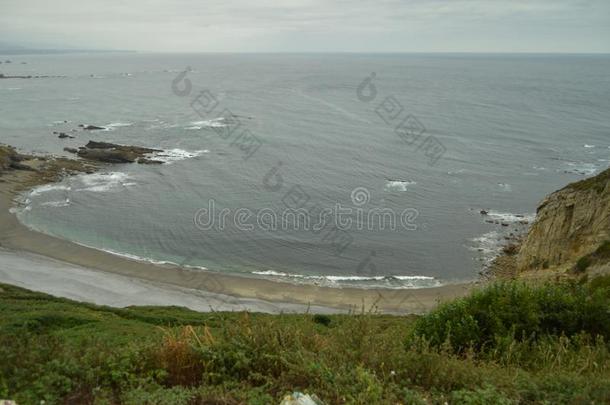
<point>571,224</point>
<point>10,159</point>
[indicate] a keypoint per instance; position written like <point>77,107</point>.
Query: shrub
<point>517,311</point>
<point>321,319</point>
<point>600,256</point>
<point>582,264</point>
<point>482,396</point>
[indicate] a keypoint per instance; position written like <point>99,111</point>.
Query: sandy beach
<point>92,275</point>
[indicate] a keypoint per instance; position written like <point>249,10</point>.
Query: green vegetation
<point>600,256</point>
<point>582,264</point>
<point>506,344</point>
<point>517,312</point>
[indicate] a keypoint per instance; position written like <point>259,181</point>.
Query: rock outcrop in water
<point>113,153</point>
<point>11,160</point>
<point>43,169</point>
<point>91,127</point>
<point>571,225</point>
<point>47,169</point>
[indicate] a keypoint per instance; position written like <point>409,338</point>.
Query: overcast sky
<point>311,25</point>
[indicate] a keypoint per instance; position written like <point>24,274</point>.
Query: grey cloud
<point>339,25</point>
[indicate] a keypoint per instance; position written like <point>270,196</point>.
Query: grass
<point>507,344</point>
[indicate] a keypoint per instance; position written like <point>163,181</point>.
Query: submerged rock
<point>71,150</point>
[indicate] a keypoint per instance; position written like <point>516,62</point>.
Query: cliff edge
<point>571,230</point>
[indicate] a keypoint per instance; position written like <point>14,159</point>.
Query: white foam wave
<point>132,256</point>
<point>114,125</point>
<point>364,281</point>
<point>582,168</point>
<point>508,217</point>
<point>398,185</point>
<point>47,188</point>
<point>102,182</point>
<point>174,155</point>
<point>213,123</point>
<point>588,146</point>
<point>505,187</point>
<point>489,245</point>
<point>57,204</point>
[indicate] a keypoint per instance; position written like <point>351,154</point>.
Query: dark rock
<point>11,160</point>
<point>504,224</point>
<point>55,132</point>
<point>107,145</point>
<point>21,166</point>
<point>489,221</point>
<point>511,250</point>
<point>107,155</point>
<point>71,150</point>
<point>483,212</point>
<point>63,135</point>
<point>91,127</point>
<point>146,161</point>
<point>114,153</point>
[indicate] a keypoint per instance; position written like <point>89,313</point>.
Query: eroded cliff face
<point>570,223</point>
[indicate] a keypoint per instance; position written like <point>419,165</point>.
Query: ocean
<point>364,170</point>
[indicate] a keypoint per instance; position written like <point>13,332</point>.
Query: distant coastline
<point>43,51</point>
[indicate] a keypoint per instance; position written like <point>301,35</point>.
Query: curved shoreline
<point>17,237</point>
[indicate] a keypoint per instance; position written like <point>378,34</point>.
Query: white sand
<point>39,273</point>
